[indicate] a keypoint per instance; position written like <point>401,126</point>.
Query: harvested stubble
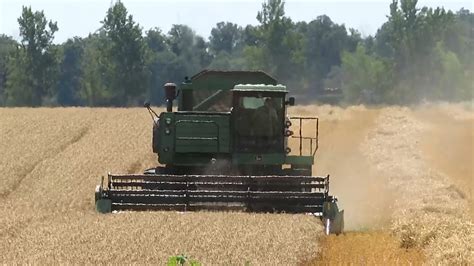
<point>431,212</point>
<point>53,158</point>
<point>407,172</point>
<point>366,248</point>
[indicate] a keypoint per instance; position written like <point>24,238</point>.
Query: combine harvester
<point>226,148</point>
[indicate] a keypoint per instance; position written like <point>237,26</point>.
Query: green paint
<point>299,160</point>
<point>258,158</point>
<point>103,205</point>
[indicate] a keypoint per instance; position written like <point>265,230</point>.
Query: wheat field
<point>403,176</point>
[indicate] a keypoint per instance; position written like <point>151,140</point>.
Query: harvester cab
<point>226,148</point>
<point>258,116</point>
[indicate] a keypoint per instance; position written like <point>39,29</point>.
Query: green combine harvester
<point>226,148</point>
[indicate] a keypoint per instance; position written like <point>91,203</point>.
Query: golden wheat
<point>379,160</point>
<point>53,158</point>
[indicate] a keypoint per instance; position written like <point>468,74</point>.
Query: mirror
<point>291,101</point>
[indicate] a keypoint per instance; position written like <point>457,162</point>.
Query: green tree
<point>160,60</point>
<point>225,37</point>
<point>459,39</point>
<point>226,45</point>
<point>276,40</point>
<point>173,56</point>
<point>93,89</point>
<point>412,35</point>
<point>7,47</point>
<point>323,45</point>
<point>32,75</point>
<point>226,61</point>
<point>123,53</point>
<point>70,73</point>
<point>274,45</point>
<point>156,40</point>
<point>365,78</point>
<point>452,84</point>
<point>191,49</point>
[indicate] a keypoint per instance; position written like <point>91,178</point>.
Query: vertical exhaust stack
<point>170,94</point>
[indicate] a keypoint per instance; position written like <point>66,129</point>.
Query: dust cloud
<point>362,193</point>
<point>405,171</point>
<point>429,212</point>
<point>449,144</point>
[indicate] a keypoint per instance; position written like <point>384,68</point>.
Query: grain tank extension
<point>226,148</point>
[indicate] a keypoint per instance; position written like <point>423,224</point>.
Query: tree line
<point>417,54</point>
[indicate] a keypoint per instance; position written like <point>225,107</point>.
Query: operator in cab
<point>266,122</point>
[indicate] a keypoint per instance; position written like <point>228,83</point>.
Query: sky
<point>81,17</point>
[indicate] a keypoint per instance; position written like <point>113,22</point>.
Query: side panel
<point>191,137</point>
<point>165,138</point>
<point>202,133</point>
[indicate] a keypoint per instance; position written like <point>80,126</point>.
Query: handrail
<point>311,139</point>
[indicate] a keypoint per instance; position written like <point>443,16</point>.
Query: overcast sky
<point>80,17</point>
